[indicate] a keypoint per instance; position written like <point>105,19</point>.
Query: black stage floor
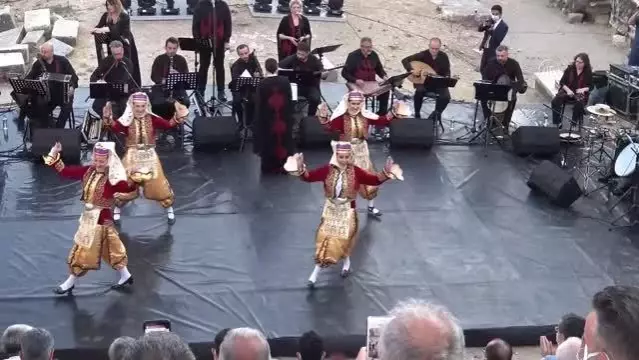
<point>462,230</point>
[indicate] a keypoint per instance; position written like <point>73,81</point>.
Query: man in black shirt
<point>504,69</point>
<point>362,66</point>
<point>168,63</point>
<point>309,82</point>
<point>438,61</point>
<point>114,68</point>
<point>247,62</point>
<point>47,62</point>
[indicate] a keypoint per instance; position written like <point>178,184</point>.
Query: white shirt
<point>339,184</point>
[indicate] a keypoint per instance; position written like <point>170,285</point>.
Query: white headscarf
<point>342,108</point>
<point>117,172</point>
<point>127,117</point>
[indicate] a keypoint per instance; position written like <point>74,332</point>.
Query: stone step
<point>546,82</point>
<point>66,31</point>
<point>34,39</point>
<point>11,37</point>
<point>21,48</point>
<point>11,64</point>
<point>37,20</point>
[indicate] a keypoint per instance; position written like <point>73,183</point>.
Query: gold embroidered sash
<point>337,219</point>
<point>145,163</point>
<point>88,230</point>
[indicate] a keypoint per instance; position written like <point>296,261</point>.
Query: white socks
<point>347,264</point>
<point>124,275</point>
<point>116,214</point>
<point>371,203</point>
<point>169,213</point>
<point>314,275</point>
<point>68,283</point>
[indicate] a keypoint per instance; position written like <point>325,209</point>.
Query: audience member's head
<point>36,344</point>
<point>271,65</point>
<point>571,325</point>
<point>245,344</point>
<point>311,347</point>
<point>568,349</point>
<point>10,341</point>
<point>613,325</point>
<point>421,331</point>
<point>161,345</point>
<point>121,347</point>
<point>498,349</point>
<point>217,342</point>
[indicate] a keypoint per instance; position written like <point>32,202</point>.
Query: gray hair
<point>47,45</point>
<point>115,44</point>
<point>569,349</point>
<point>261,347</point>
<point>501,48</point>
<point>10,341</point>
<point>36,344</point>
<point>421,331</point>
<point>121,347</point>
<point>160,346</point>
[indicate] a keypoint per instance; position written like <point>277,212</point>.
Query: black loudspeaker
<point>215,133</point>
<point>71,140</point>
<point>558,185</point>
<point>412,133</point>
<point>313,135</point>
<point>536,140</point>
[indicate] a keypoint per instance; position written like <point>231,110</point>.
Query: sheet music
<point>246,74</point>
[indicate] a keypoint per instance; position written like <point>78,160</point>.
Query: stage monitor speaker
<point>536,140</point>
<point>215,133</point>
<point>313,135</point>
<point>412,133</point>
<point>71,140</point>
<point>558,185</point>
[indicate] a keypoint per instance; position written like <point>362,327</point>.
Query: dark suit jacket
<point>496,36</point>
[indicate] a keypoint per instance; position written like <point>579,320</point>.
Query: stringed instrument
<point>424,70</point>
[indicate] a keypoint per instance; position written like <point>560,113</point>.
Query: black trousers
<point>241,102</point>
<point>561,99</point>
<point>443,98</point>
<point>38,109</point>
<point>313,95</point>
<point>162,104</point>
<point>486,55</point>
<point>383,103</point>
<point>508,114</point>
<point>218,64</point>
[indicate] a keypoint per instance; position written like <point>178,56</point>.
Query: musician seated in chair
<point>438,61</point>
<point>310,88</point>
<point>168,63</point>
<point>47,62</point>
<point>506,71</point>
<point>361,67</point>
<point>117,69</point>
<point>574,87</point>
<point>247,64</point>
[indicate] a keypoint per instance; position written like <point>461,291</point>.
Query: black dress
<point>273,124</point>
<point>121,31</point>
<point>285,47</point>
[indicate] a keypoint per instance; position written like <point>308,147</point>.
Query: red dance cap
<point>355,95</point>
<point>343,148</point>
<point>139,97</point>
<point>100,151</point>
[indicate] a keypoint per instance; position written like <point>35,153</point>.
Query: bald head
<point>569,349</point>
<point>46,51</point>
<point>498,349</point>
<point>421,331</point>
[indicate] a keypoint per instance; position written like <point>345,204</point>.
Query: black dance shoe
<point>128,281</point>
<point>59,291</point>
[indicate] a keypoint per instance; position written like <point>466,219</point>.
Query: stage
<point>462,230</point>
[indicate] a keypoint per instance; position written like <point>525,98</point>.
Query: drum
<point>626,162</point>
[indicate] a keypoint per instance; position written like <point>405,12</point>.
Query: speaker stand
<point>244,134</point>
<point>629,194</point>
<point>487,131</point>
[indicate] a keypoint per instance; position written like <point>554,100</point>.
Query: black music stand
<point>245,85</point>
<point>196,45</point>
<point>486,91</point>
<point>101,39</point>
<point>27,87</point>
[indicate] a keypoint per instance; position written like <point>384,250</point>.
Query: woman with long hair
<point>116,23</point>
<point>574,87</point>
<point>294,28</point>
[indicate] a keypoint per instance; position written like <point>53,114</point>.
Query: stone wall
<point>621,11</point>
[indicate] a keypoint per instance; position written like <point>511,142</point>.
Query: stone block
<point>11,64</point>
<point>34,39</point>
<point>602,19</point>
<point>21,48</point>
<point>7,22</point>
<point>575,18</point>
<point>60,48</point>
<point>66,31</point>
<point>37,20</point>
<point>619,41</point>
<point>11,37</point>
<point>54,18</point>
